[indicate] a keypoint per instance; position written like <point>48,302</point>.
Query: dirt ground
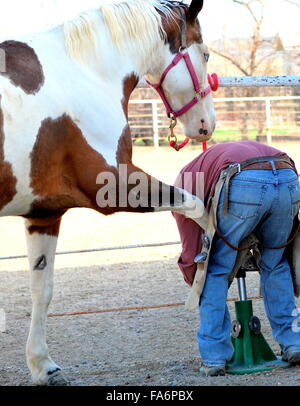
<point>121,348</point>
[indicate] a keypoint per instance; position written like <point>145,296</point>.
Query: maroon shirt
<point>211,163</point>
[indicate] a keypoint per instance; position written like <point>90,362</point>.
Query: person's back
<point>262,196</point>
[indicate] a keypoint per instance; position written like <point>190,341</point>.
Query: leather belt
<point>269,166</point>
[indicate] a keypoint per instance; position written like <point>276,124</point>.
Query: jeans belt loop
<point>233,169</point>
<point>274,170</point>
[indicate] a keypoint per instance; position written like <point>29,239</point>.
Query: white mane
<point>138,21</point>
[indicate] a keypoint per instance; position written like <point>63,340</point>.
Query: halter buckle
<point>173,124</point>
<point>198,94</point>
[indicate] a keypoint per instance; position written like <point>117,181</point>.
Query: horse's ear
<point>195,8</point>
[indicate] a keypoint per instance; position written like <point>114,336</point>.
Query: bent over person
<point>260,195</point>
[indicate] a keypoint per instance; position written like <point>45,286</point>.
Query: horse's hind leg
<point>41,244</point>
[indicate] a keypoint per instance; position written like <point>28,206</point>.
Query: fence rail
<point>103,249</point>
<point>148,122</point>
<point>259,81</point>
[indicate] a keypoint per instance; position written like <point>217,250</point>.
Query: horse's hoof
<point>57,378</point>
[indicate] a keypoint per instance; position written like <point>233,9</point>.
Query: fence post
<point>155,123</point>
<point>268,122</point>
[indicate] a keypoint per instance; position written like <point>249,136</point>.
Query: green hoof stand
<point>251,351</point>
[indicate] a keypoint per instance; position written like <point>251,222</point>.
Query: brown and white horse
<point>64,122</point>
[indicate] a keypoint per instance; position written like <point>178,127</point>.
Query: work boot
<point>293,357</point>
<point>212,370</point>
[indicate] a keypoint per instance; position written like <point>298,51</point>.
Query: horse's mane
<point>136,20</point>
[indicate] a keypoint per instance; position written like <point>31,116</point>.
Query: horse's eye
<point>206,57</point>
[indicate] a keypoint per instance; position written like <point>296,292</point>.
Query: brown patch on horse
<point>7,180</point>
<point>23,67</point>
<point>124,151</point>
<point>49,226</point>
<point>64,168</point>
<point>129,84</point>
<point>182,23</point>
<point>64,171</point>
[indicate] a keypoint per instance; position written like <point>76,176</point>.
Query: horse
<point>65,141</point>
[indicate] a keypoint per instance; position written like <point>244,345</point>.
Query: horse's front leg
<point>41,244</point>
<point>181,201</point>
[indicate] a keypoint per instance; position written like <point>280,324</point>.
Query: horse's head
<point>180,76</point>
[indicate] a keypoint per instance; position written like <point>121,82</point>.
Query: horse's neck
<point>120,69</point>
<point>111,63</point>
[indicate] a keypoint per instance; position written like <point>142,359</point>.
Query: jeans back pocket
<point>245,199</point>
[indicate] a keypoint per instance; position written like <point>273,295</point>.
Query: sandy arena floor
<point>134,347</point>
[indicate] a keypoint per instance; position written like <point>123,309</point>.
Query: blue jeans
<point>266,201</point>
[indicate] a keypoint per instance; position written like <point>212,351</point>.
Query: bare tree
<point>249,64</point>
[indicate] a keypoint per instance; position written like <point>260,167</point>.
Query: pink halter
<point>200,94</point>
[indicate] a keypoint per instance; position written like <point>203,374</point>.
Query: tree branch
<point>263,58</point>
<point>229,58</point>
<point>248,8</point>
<point>293,2</point>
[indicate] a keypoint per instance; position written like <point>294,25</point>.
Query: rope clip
<point>172,137</point>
